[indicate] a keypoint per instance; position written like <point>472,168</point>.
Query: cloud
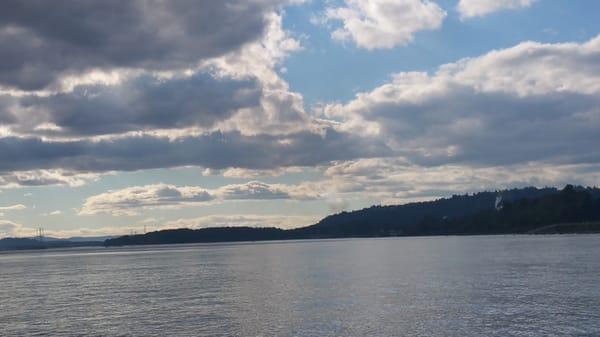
<point>8,228</point>
<point>281,111</point>
<point>57,212</point>
<point>43,44</point>
<point>237,91</point>
<point>384,23</point>
<point>256,190</point>
<point>46,177</point>
<point>472,8</point>
<point>231,110</point>
<point>214,150</point>
<point>241,173</point>
<point>532,102</point>
<point>17,207</point>
<point>13,229</point>
<point>137,104</point>
<point>130,200</point>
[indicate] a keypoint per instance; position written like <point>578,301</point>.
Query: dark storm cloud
<point>139,104</point>
<point>217,150</point>
<point>42,40</point>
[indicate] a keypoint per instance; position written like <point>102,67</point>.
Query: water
<point>442,286</point>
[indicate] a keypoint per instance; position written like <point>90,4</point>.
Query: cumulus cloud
<point>532,102</point>
<point>130,200</point>
<point>43,44</point>
<point>237,91</point>
<point>231,110</point>
<point>472,8</point>
<point>281,110</point>
<point>226,109</point>
<point>384,23</point>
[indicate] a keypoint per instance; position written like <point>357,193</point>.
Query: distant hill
<point>516,211</point>
<point>80,238</point>
<point>200,235</point>
<point>90,238</point>
<point>402,219</point>
<point>19,243</point>
<point>524,215</point>
<point>28,243</point>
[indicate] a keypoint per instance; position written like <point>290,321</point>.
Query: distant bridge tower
<point>40,234</point>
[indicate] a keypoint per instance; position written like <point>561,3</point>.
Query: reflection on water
<point>442,286</point>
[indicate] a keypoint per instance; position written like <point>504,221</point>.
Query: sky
<point>125,116</point>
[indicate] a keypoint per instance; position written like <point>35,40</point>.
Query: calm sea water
<point>441,286</point>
